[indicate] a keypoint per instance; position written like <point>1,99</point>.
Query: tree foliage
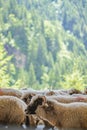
<point>5,68</point>
<point>44,41</point>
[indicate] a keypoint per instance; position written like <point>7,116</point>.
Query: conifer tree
<point>31,76</point>
<point>5,77</point>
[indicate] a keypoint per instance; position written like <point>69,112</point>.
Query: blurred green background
<point>43,44</point>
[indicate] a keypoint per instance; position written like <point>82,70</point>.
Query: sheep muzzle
<point>30,110</point>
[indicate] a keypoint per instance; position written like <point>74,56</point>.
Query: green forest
<point>43,44</point>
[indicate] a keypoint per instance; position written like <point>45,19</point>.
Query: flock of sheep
<point>55,109</point>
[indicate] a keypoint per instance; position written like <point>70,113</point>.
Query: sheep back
<point>12,110</point>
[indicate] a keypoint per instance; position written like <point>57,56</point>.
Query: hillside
<point>43,43</point>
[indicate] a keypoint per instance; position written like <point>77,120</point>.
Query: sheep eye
<point>25,99</point>
<point>40,101</point>
<point>30,96</point>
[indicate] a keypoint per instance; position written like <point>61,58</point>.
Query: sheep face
<point>31,108</point>
<point>27,97</point>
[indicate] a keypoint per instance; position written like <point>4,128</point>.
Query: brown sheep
<point>72,115</point>
<point>10,92</point>
<point>12,110</point>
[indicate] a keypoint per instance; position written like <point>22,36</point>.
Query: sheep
<point>60,98</point>
<point>56,92</point>
<point>70,91</point>
<point>12,110</point>
<point>10,92</point>
<point>33,119</point>
<point>69,99</point>
<point>72,115</point>
<point>51,92</point>
<point>26,97</point>
<point>30,90</point>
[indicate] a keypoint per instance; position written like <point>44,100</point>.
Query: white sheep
<point>12,110</point>
<point>10,92</point>
<point>72,115</point>
<point>69,98</point>
<point>70,91</point>
<point>33,119</point>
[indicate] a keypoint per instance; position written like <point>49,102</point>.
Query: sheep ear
<point>33,94</point>
<point>24,99</point>
<point>44,103</point>
<point>44,99</point>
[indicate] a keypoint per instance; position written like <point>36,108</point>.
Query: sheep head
<point>50,93</point>
<point>34,103</point>
<point>39,102</point>
<point>27,97</point>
